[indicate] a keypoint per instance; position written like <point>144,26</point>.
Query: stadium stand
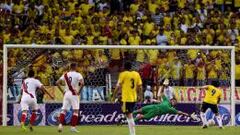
<point>125,22</point>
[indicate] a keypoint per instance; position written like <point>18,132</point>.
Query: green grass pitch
<point>123,130</point>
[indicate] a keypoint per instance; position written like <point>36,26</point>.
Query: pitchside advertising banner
<point>107,113</point>
<point>195,94</point>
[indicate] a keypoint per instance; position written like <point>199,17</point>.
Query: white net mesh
<point>187,70</point>
<point>182,67</point>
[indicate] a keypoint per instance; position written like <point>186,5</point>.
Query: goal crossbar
<point>202,47</point>
<point>117,47</point>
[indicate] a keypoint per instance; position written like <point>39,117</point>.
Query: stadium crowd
<point>127,22</point>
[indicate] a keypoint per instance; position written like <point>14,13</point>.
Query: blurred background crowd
<point>122,22</point>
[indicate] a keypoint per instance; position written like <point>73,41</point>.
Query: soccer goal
<point>187,68</point>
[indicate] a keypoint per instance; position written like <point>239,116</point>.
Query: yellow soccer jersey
<point>129,80</point>
<point>212,95</point>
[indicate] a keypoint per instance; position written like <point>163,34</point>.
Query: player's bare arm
<point>183,113</point>
<point>20,96</point>
<point>115,91</point>
<point>81,84</point>
<point>159,96</point>
<point>58,83</point>
<point>219,99</point>
<point>162,92</point>
<point>46,92</point>
<point>174,96</point>
<point>204,87</point>
<point>140,93</point>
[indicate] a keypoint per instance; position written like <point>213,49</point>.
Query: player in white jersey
<point>73,85</point>
<point>29,100</point>
<point>168,91</point>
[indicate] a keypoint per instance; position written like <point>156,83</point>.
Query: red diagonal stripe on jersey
<point>69,84</point>
<point>25,89</point>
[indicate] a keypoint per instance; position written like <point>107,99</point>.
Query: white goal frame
<point>204,47</point>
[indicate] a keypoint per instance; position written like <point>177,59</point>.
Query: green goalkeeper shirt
<point>165,107</point>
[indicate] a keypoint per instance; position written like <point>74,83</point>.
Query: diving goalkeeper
<point>165,107</point>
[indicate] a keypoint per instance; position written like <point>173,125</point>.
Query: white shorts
<point>28,102</point>
<point>70,100</point>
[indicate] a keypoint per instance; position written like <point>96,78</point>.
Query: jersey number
<point>133,83</point>
<point>213,92</point>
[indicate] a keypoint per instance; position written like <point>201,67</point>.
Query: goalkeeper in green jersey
<point>165,107</point>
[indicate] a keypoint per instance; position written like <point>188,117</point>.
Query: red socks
<point>74,120</point>
<point>33,118</point>
<point>23,117</point>
<point>62,118</point>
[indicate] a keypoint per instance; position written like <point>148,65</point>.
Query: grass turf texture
<point>123,130</point>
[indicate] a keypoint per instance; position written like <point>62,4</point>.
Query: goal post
<point>31,46</point>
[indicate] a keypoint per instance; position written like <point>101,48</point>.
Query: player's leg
<point>128,109</point>
<point>65,107</point>
<point>24,108</point>
<point>203,115</point>
<point>147,113</point>
<point>143,110</point>
<point>33,117</point>
<point>214,109</point>
<point>75,105</point>
<point>122,119</point>
<point>61,120</point>
<point>138,111</point>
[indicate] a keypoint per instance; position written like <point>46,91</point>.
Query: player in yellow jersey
<point>130,84</point>
<point>211,100</point>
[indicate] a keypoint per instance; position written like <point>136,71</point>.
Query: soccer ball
<point>211,122</point>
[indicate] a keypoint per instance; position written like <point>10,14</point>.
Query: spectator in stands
<point>212,72</point>
<point>176,71</point>
<point>148,95</point>
<point>115,6</point>
<point>201,73</point>
<point>128,22</point>
<point>161,38</point>
<point>40,9</point>
<point>158,16</point>
<point>188,73</point>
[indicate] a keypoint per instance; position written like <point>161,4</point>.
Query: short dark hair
<point>215,83</point>
<point>128,65</point>
<point>31,73</point>
<point>73,65</point>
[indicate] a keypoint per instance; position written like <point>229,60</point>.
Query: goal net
<point>186,67</point>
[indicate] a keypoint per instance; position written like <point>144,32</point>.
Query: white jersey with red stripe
<point>29,87</point>
<point>74,79</point>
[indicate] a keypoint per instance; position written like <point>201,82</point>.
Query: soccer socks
<point>23,117</point>
<point>62,118</point>
<point>203,117</point>
<point>33,118</point>
<point>74,120</point>
<point>219,120</point>
<point>131,126</point>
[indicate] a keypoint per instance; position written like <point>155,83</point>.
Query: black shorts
<point>128,107</point>
<point>205,106</point>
